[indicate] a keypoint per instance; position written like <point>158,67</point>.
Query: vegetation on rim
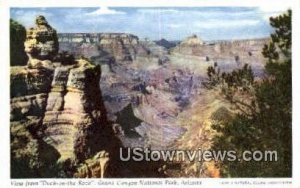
<point>264,121</point>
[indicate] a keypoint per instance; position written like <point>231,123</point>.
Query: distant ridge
<point>165,43</point>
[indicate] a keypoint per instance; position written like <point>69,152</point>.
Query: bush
<point>17,39</point>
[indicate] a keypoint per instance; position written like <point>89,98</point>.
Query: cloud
<point>213,24</point>
<point>104,11</point>
<point>174,25</point>
<point>273,9</point>
<point>81,15</point>
<point>157,10</point>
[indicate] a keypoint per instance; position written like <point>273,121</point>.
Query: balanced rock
<point>57,109</point>
<point>41,43</point>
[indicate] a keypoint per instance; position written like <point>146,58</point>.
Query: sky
<point>171,23</point>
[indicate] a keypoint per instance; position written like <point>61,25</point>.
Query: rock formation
<point>95,167</point>
<point>235,51</point>
<point>73,109</point>
<point>41,43</point>
<point>57,115</point>
<point>102,47</point>
<point>193,40</point>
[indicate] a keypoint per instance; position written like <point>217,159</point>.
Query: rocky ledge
<point>58,120</point>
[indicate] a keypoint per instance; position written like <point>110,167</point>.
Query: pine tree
<point>269,125</point>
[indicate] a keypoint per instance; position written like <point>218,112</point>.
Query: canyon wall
<point>245,51</point>
<point>111,48</point>
<point>102,47</point>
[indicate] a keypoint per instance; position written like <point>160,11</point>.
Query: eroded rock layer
<point>72,109</point>
<point>57,116</point>
<point>102,47</point>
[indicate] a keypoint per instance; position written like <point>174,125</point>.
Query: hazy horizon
<point>174,24</point>
<point>176,40</point>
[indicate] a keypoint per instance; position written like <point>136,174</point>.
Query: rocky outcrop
<point>73,109</point>
<point>41,43</point>
<point>55,107</point>
<point>193,40</point>
<point>102,47</point>
<point>223,52</point>
<point>94,167</point>
<point>153,48</point>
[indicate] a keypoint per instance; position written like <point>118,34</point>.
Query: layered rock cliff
<point>58,119</point>
<point>102,47</point>
<point>223,52</point>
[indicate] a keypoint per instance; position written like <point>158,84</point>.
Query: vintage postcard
<point>178,93</point>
